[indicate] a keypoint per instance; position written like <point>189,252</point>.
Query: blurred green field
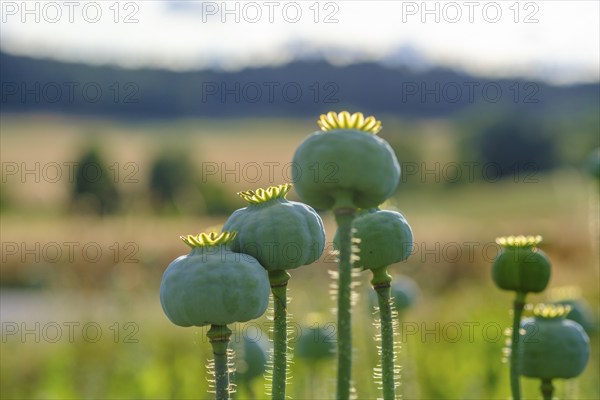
<point>100,329</point>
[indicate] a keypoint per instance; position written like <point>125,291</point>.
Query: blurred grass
<point>169,362</point>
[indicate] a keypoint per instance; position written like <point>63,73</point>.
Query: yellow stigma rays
<point>551,311</point>
<point>260,196</point>
<point>345,120</point>
<point>208,239</point>
<point>519,241</point>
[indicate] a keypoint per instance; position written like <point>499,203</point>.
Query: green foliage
<point>94,189</point>
<point>4,199</point>
<point>175,188</point>
<point>592,163</point>
<point>171,176</point>
<point>512,145</point>
<point>215,199</point>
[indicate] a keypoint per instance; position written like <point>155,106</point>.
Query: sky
<point>558,41</point>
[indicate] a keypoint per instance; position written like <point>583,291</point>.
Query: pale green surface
<point>213,285</point>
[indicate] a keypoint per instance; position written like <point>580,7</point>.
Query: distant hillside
<point>296,89</point>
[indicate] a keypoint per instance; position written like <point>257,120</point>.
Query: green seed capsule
<point>552,346</point>
<point>521,266</point>
<point>213,285</point>
<point>581,312</point>
<point>280,234</point>
<point>254,356</point>
<point>347,161</point>
<point>384,237</point>
<point>316,344</point>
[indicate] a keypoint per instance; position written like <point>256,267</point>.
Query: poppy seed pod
<point>382,238</point>
<point>521,266</point>
<point>581,311</point>
<point>316,343</point>
<point>279,233</point>
<point>213,285</point>
<point>254,357</point>
<point>552,346</point>
<point>345,161</point>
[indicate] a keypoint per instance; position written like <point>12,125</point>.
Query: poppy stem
<point>515,385</point>
<point>382,284</point>
<point>547,389</point>
<point>279,280</point>
<point>219,335</point>
<point>344,217</point>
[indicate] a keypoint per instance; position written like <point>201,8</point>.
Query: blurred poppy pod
<point>552,346</point>
<point>521,266</point>
<point>581,311</point>
<point>252,359</point>
<point>315,343</point>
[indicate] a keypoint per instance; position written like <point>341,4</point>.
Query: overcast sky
<point>556,40</point>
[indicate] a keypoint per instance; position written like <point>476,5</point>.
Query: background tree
<point>511,145</point>
<point>94,189</point>
<point>171,175</point>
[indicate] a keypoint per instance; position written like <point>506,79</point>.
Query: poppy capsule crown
<point>345,164</point>
<point>261,196</point>
<point>208,239</point>
<point>345,120</point>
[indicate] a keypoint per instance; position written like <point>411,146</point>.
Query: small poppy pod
<point>280,234</point>
<point>521,266</point>
<point>581,311</point>
<point>552,346</point>
<point>252,357</point>
<point>382,237</point>
<point>213,285</point>
<point>315,344</point>
<point>346,160</point>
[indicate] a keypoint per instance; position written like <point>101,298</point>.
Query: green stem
<point>344,217</point>
<point>218,336</point>
<point>547,389</point>
<point>279,280</point>
<point>382,284</point>
<point>515,386</point>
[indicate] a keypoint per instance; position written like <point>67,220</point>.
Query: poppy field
<point>81,311</point>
